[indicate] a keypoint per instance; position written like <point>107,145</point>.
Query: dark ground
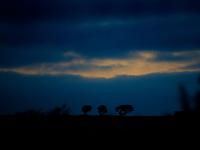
<point>98,123</point>
<point>101,129</point>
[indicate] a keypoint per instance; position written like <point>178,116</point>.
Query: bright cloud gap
<point>136,63</point>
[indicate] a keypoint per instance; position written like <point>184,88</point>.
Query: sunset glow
<point>135,64</point>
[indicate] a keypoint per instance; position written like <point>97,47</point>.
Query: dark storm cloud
<point>22,10</point>
<point>172,32</point>
<point>41,30</point>
<point>23,23</point>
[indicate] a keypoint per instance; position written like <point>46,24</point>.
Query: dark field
<point>97,122</point>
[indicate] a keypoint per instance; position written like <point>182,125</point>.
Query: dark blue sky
<point>72,51</point>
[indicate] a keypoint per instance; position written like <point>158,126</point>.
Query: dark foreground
<point>67,130</point>
<point>101,129</point>
<point>95,124</point>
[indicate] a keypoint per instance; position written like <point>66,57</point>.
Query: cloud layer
<point>135,63</point>
<point>73,9</point>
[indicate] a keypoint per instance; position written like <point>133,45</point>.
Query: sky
<point>98,52</point>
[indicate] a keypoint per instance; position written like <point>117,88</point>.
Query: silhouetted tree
<point>65,110</point>
<point>184,99</point>
<point>197,102</point>
<point>197,98</point>
<point>198,80</point>
<point>124,109</point>
<point>60,110</point>
<point>86,108</point>
<point>102,109</point>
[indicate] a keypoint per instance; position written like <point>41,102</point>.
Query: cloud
<point>72,54</point>
<point>13,10</point>
<point>136,63</point>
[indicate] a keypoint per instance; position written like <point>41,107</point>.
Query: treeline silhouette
<point>61,117</point>
<point>65,110</point>
<point>102,109</point>
<point>187,109</point>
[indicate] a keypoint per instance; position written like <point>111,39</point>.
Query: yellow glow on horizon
<point>136,68</point>
<point>135,64</point>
